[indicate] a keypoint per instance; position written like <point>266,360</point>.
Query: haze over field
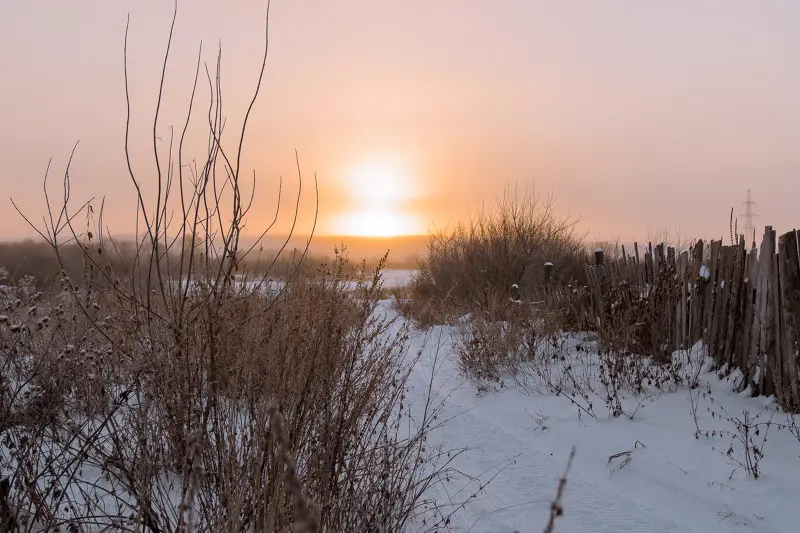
<point>635,114</point>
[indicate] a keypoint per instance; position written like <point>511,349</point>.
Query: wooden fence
<point>744,304</point>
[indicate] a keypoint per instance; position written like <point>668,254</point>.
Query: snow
<point>705,272</point>
<point>668,481</point>
<point>393,278</point>
<point>651,473</point>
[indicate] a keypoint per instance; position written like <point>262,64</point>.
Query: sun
<point>380,191</point>
<point>378,224</point>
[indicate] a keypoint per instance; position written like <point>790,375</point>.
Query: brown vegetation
<point>168,387</point>
<point>495,256</point>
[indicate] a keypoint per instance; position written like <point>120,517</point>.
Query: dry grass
<point>175,386</point>
<point>475,265</point>
<point>255,412</point>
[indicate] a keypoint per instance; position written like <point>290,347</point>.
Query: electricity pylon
<point>749,228</point>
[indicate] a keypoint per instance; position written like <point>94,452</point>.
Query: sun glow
<point>378,224</point>
<point>379,190</point>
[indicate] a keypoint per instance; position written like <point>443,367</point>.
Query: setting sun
<point>380,190</point>
<point>378,224</point>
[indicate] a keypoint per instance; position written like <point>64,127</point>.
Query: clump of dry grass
<point>491,347</point>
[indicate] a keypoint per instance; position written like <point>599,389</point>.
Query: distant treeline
<point>37,259</point>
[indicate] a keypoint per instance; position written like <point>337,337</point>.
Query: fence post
<point>598,257</point>
<point>548,275</point>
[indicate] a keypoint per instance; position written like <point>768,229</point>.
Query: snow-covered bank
<point>668,481</point>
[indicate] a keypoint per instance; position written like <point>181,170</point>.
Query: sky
<point>636,115</point>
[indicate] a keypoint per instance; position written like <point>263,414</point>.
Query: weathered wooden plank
<point>774,353</point>
<point>756,364</point>
<point>594,274</point>
<point>720,323</point>
<point>671,261</point>
<point>789,284</point>
<point>683,318</point>
<point>792,313</point>
<point>696,294</point>
<point>640,275</point>
<point>734,305</point>
<point>625,280</point>
<point>711,293</point>
<point>766,311</point>
<point>743,352</point>
<point>661,260</point>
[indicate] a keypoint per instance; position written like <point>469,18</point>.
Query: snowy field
<point>676,465</point>
<point>668,481</point>
<point>396,277</point>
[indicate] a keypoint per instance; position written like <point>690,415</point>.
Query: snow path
<point>673,482</point>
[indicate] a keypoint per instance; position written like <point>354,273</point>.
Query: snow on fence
<point>744,305</point>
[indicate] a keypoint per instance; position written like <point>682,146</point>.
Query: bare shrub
<point>488,349</point>
<point>475,265</point>
<point>746,434</point>
<point>504,342</point>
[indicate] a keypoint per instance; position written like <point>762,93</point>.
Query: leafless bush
<point>671,236</point>
<point>185,392</point>
<point>475,265</point>
<point>489,350</point>
<point>747,434</point>
<point>504,343</point>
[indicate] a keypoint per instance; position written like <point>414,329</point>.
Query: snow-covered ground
<point>390,279</point>
<point>396,277</point>
<point>670,481</point>
<point>651,473</point>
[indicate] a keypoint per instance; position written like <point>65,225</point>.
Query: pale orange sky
<point>635,114</point>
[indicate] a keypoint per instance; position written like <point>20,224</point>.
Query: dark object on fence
<point>598,257</point>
